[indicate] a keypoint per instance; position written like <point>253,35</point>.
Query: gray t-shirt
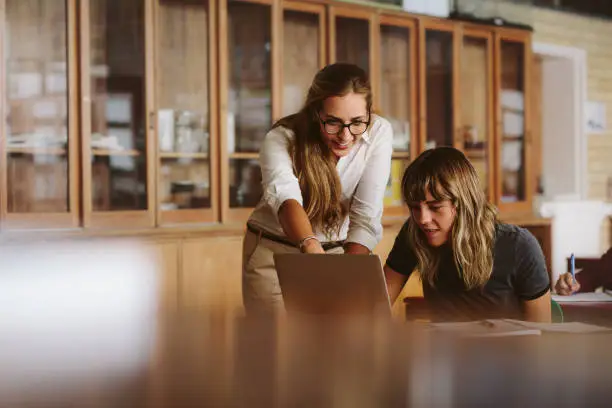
<point>519,273</point>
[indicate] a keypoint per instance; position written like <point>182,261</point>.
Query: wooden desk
<point>599,313</point>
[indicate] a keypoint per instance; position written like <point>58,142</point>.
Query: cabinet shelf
<point>244,156</point>
<point>476,153</point>
<point>107,152</point>
<point>178,155</point>
<point>401,155</point>
<point>508,138</point>
<point>54,151</point>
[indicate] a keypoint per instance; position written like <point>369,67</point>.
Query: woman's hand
<point>312,246</point>
<point>566,285</point>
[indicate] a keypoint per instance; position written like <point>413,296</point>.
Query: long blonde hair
<point>447,174</point>
<point>314,163</point>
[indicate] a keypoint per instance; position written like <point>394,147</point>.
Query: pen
<point>573,267</point>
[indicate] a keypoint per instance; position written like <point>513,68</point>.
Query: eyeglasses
<point>334,126</point>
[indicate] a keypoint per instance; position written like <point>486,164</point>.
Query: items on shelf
<point>401,134</point>
<point>106,142</point>
<point>188,194</point>
<point>182,131</point>
<point>393,192</point>
<point>38,139</point>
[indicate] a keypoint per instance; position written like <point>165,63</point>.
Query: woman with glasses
<point>324,170</point>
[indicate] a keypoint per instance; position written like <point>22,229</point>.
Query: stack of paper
<point>485,328</point>
<point>571,327</point>
<point>511,327</point>
<point>584,297</point>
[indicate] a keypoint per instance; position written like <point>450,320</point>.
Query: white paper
<point>595,117</point>
<point>571,327</point>
<point>512,99</point>
<point>485,328</point>
<point>231,132</point>
<point>583,297</point>
<point>119,108</point>
<point>513,124</point>
<point>165,121</point>
<point>45,109</point>
<point>25,85</point>
<point>56,83</point>
<point>511,156</point>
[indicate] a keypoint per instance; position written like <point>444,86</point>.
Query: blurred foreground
<point>76,336</point>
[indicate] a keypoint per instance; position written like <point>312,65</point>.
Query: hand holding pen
<point>567,283</point>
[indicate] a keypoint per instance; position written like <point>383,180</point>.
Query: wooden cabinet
<point>186,111</point>
<point>116,66</point>
<point>147,113</point>
<point>352,32</point>
<point>397,99</point>
<point>476,131</point>
<point>439,79</point>
<point>303,51</point>
<point>512,74</point>
<point>38,129</point>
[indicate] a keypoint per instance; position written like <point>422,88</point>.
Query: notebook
<point>584,297</point>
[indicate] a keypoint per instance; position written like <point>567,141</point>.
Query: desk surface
<point>598,313</point>
<point>219,362</point>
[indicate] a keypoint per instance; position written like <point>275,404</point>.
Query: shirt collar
<point>366,137</point>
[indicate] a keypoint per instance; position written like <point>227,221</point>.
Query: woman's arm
<point>395,282</point>
<point>296,225</point>
<point>282,189</point>
<point>365,212</point>
<point>532,282</point>
<point>537,310</point>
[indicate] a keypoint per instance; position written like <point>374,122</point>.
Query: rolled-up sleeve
<point>366,209</point>
<point>279,181</point>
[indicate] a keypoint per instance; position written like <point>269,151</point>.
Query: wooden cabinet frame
<point>524,38</point>
<point>449,27</point>
<point>492,143</point>
<point>192,215</point>
<point>312,8</point>
<point>116,219</point>
<point>228,214</point>
<point>70,218</point>
<point>359,13</point>
<point>412,26</point>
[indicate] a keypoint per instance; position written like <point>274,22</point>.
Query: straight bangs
<point>418,181</point>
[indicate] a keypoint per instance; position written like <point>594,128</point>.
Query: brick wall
<point>593,35</point>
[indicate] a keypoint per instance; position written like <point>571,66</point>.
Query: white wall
<point>559,164</point>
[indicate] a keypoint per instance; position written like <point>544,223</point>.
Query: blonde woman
<point>471,265</point>
<point>324,173</point>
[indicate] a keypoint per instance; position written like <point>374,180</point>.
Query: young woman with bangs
<point>324,172</point>
<point>472,266</point>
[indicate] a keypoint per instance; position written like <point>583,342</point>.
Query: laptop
<point>333,284</point>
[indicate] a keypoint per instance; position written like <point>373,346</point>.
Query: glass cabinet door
<point>303,53</point>
<point>183,96</point>
<point>118,116</point>
<point>397,100</point>
<point>439,84</point>
<point>37,111</point>
<point>513,177</point>
<point>351,37</point>
<point>476,134</point>
<point>249,99</point>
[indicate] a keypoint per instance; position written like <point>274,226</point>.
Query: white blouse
<point>363,173</point>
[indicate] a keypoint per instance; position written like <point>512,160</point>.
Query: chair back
<point>556,312</point>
